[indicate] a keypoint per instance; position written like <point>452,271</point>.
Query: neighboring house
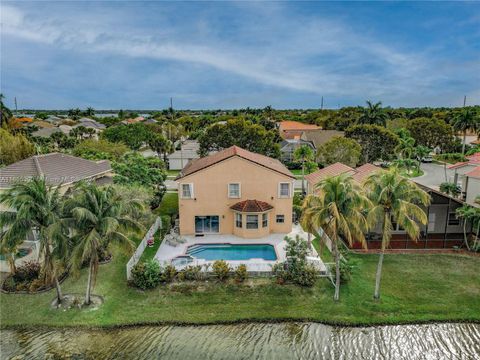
<point>57,169</point>
<point>464,167</point>
<point>90,123</point>
<point>293,129</point>
<point>288,147</point>
<point>471,186</point>
<point>180,158</point>
<point>319,137</point>
<point>47,132</point>
<point>443,230</point>
<point>235,191</point>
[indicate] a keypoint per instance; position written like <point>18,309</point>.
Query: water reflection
<point>248,341</point>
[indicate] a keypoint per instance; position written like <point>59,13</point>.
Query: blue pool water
<point>232,251</point>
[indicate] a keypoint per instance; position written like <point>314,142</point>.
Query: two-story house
<point>237,192</point>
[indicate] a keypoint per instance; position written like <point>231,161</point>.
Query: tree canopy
<point>14,148</point>
<point>431,132</point>
<point>376,141</point>
<point>243,133</point>
<point>340,149</point>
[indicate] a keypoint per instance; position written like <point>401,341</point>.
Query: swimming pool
<point>232,251</point>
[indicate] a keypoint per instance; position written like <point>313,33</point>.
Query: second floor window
<point>252,222</point>
<point>234,190</point>
<point>284,190</point>
<point>187,191</point>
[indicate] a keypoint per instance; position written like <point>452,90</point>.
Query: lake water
<point>247,341</point>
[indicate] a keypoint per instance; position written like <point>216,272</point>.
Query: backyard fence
<point>141,247</point>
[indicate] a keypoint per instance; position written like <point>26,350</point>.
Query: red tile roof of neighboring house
<point>358,174</point>
<point>251,206</point>
<point>362,172</point>
<point>474,173</point>
<point>207,161</point>
<point>292,129</point>
<point>295,125</point>
<point>472,160</point>
<point>331,170</point>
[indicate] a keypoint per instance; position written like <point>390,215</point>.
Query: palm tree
<point>421,152</point>
<point>373,114</point>
<point>97,217</point>
<point>466,213</point>
<point>303,154</point>
<point>394,198</point>
<point>338,207</point>
<point>36,207</point>
<point>405,147</point>
<point>450,188</point>
<point>90,112</point>
<point>464,121</point>
<point>9,247</point>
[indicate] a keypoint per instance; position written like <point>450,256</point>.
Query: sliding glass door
<point>207,224</point>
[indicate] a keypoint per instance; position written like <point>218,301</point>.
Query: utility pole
<point>16,109</point>
<point>464,100</point>
<point>455,175</point>
<point>321,106</point>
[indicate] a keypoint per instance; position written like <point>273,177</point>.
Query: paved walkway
<point>434,175</point>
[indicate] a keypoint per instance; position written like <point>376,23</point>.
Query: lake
<point>247,341</point>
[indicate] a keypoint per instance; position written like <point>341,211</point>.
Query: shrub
<point>221,270</point>
<point>280,273</point>
<point>29,271</point>
<point>35,285</point>
<point>346,269</point>
<point>192,272</point>
<point>147,275</point>
<point>307,277</point>
<point>169,273</point>
<point>241,273</point>
<point>9,284</point>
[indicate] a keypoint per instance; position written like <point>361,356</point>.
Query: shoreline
<point>241,322</point>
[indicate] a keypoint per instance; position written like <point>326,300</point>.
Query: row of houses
<point>236,192</point>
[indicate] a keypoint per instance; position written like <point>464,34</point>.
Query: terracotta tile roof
<point>295,125</point>
<point>55,167</point>
<point>251,206</point>
<point>207,161</point>
<point>474,173</point>
<point>331,170</point>
<point>471,160</point>
<point>362,172</point>
<point>358,174</point>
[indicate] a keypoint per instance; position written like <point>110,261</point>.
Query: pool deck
<point>167,252</point>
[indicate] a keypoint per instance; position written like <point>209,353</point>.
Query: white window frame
<point>239,190</point>
<point>237,216</point>
<point>256,222</point>
<point>190,185</point>
<point>264,220</point>
<point>280,190</point>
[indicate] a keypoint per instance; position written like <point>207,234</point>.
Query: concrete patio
<point>167,252</point>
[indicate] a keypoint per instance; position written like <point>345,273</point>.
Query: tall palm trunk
<point>52,273</point>
<point>11,263</point>
<point>336,297</point>
<point>386,236</point>
<point>464,142</point>
<point>465,234</point>
<point>303,178</point>
<point>309,240</point>
<point>89,283</point>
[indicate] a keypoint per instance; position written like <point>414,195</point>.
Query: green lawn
<point>415,288</point>
<point>169,205</point>
<point>172,172</point>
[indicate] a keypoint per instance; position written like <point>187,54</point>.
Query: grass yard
<point>415,288</point>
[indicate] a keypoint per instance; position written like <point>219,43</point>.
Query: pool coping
<point>228,243</point>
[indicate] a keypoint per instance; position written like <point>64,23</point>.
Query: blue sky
<point>209,55</point>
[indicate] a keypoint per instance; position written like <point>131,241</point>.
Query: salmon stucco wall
<point>210,196</point>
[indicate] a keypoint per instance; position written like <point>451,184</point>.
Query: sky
<point>212,55</point>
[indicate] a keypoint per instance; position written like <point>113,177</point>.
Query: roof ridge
<point>37,165</point>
